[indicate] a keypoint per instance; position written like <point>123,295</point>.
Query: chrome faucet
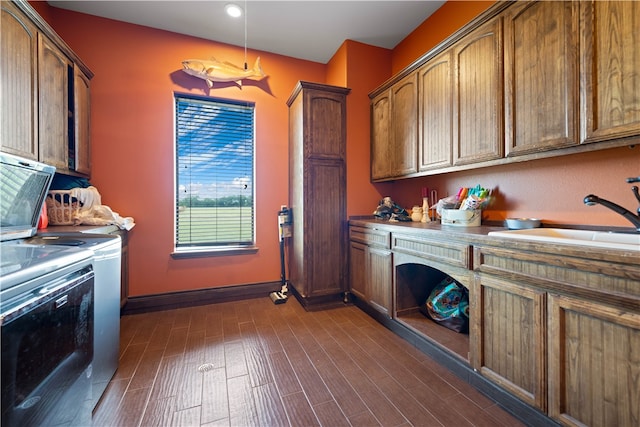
<point>592,200</point>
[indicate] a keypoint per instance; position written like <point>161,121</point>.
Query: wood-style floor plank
<point>189,392</point>
<point>299,411</point>
<point>283,374</point>
<point>343,393</point>
<point>147,369</point>
<point>129,360</point>
<point>254,363</point>
<point>269,405</point>
<point>235,359</point>
<point>106,410</point>
<point>186,417</point>
<point>256,359</point>
<point>131,408</point>
<point>215,399</point>
<point>169,378</point>
<point>242,408</point>
<point>329,414</point>
<point>159,413</point>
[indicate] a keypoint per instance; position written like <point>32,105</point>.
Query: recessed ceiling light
<point>233,10</point>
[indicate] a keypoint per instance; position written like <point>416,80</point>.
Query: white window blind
<point>214,173</point>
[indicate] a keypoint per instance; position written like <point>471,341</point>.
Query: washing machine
<point>107,259</point>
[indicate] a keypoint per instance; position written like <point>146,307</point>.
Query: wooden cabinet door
<point>594,363</point>
<point>507,337</point>
<point>53,96</point>
<point>81,142</point>
<point>325,250</point>
<point>325,130</point>
<point>18,85</point>
<point>478,113</point>
<point>541,76</point>
<point>381,136</point>
<point>610,40</point>
<point>358,270</point>
<point>404,126</point>
<point>380,273</point>
<point>435,112</point>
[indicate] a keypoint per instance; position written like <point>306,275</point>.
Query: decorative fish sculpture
<point>216,71</point>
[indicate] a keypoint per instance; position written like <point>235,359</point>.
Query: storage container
<point>461,218</point>
<point>62,209</point>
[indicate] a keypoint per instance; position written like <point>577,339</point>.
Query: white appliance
<point>107,259</point>
<point>46,310</point>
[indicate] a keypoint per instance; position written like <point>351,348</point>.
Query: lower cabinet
<point>555,328</point>
<point>561,331</point>
<point>380,272</point>
<point>371,269</point>
<point>358,272</point>
<point>594,363</point>
<point>508,337</point>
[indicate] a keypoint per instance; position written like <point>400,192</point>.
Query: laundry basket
<point>62,209</point>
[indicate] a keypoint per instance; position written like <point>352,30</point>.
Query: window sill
<point>213,252</point>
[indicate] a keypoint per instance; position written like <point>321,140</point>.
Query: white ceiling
<point>310,30</point>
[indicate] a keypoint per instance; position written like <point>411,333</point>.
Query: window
<point>214,201</point>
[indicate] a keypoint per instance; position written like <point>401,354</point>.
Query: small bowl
<point>522,223</point>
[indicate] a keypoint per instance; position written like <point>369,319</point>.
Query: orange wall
<point>367,67</point>
<point>137,71</point>
<point>550,189</point>
<point>448,19</point>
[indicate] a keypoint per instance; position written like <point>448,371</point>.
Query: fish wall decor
<point>215,71</point>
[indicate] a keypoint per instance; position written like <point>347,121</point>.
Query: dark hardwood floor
<point>253,363</point>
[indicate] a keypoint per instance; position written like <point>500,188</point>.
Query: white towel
<point>103,215</point>
<point>93,212</point>
<point>89,197</point>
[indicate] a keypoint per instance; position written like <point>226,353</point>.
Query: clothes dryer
<point>107,259</point>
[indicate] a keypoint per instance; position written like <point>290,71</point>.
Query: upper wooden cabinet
<point>523,81</point>
<point>435,112</point>
<point>477,118</point>
<point>80,141</point>
<point>45,87</point>
<point>53,107</point>
<point>541,76</point>
<point>18,83</point>
<point>404,126</point>
<point>610,40</point>
<point>380,136</point>
<point>394,132</point>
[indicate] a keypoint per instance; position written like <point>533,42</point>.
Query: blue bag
<point>448,305</point>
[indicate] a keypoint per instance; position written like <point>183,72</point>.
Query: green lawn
<point>214,225</point>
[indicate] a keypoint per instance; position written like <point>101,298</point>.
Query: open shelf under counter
<point>456,343</point>
<point>414,283</point>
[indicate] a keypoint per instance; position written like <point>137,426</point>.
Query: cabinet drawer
<point>370,236</point>
<point>452,253</point>
<point>592,278</point>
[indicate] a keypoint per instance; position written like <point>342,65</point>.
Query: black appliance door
<point>47,351</point>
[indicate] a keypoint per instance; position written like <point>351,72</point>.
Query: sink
<point>598,239</point>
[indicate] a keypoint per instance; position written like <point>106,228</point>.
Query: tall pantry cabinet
<point>317,194</point>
